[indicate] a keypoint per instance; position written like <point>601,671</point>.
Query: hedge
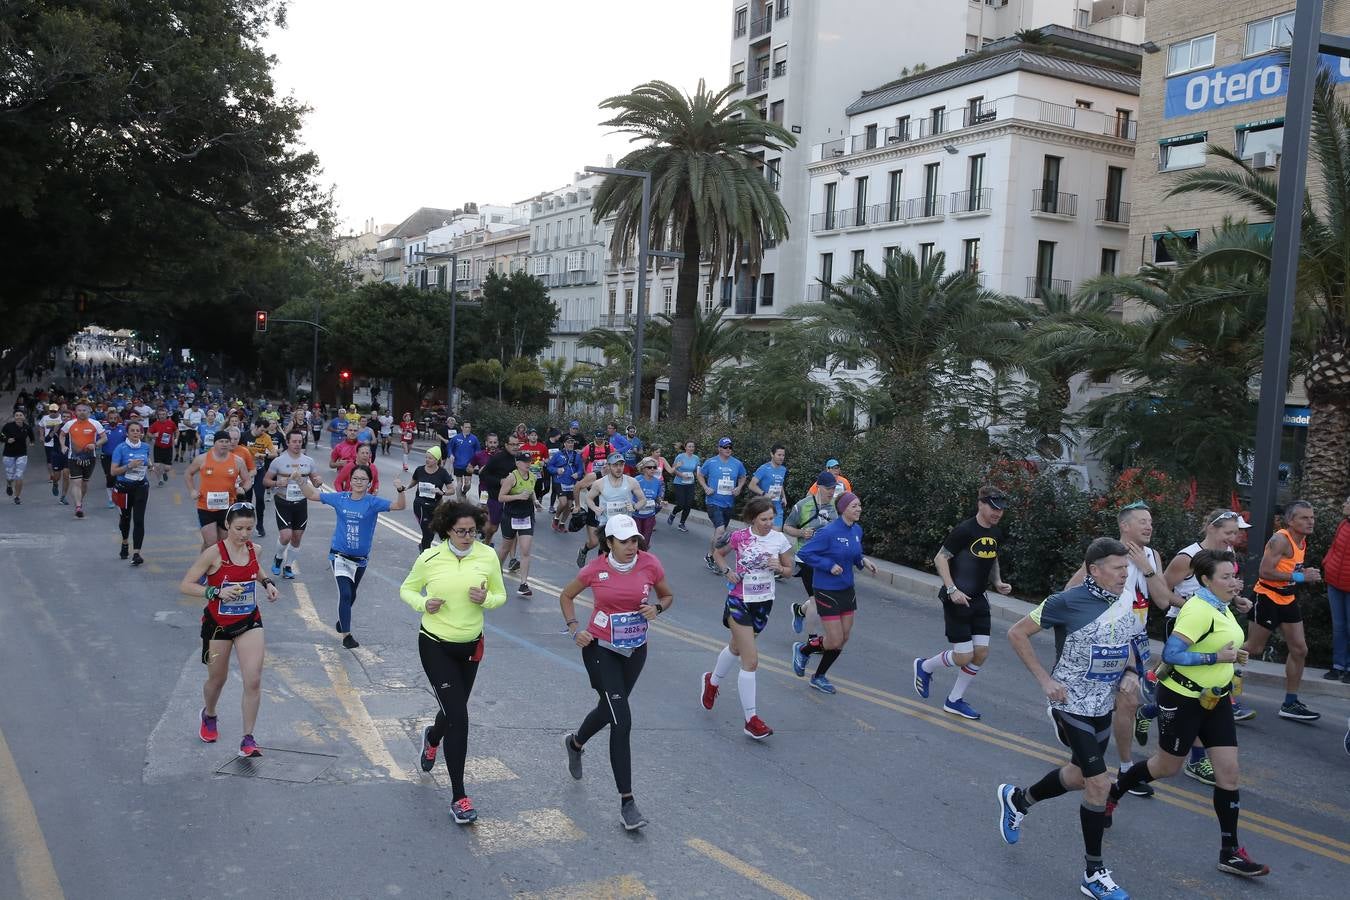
<point>916,483</point>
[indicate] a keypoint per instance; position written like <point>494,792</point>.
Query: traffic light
<point>344,376</point>
<point>260,320</point>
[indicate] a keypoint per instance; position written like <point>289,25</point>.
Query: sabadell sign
<point>1262,78</point>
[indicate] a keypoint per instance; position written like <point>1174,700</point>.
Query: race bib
<point>725,485</point>
<point>217,500</point>
<point>775,492</point>
<point>134,473</point>
<point>1107,663</point>
<point>627,631</point>
<point>426,489</point>
<point>685,477</point>
<point>166,438</point>
<point>344,568</point>
<point>294,493</point>
<point>242,605</point>
<point>757,586</point>
<point>615,507</point>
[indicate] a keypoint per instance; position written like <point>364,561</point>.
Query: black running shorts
<point>1086,737</point>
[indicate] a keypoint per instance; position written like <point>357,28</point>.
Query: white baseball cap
<point>621,527</point>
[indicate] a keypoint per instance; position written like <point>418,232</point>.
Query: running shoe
<point>54,489</point>
<point>1142,789</point>
<point>1237,862</point>
<point>287,572</point>
<point>960,708</point>
<point>630,816</point>
<point>524,590</point>
<point>79,514</point>
<point>1328,675</point>
<point>112,505</point>
<point>248,747</point>
<point>1142,724</point>
<point>124,552</point>
<point>708,561</point>
<point>462,811</point>
<point>682,527</point>
<point>798,618</point>
<point>798,659</point>
<point>573,755</point>
<point>428,757</point>
<point>350,642</point>
<point>1100,885</point>
<point>756,729</point>
<point>513,565</point>
<point>822,684</point>
<point>922,680</point>
<point>137,559</point>
<point>581,557</point>
<point>18,502</point>
<point>1242,713</point>
<point>709,694</point>
<point>1296,710</point>
<point>276,565</point>
<point>209,732</point>
<point>670,519</point>
<point>1202,771</point>
<point>1009,816</point>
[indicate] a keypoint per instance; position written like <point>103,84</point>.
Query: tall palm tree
<point>709,196</point>
<point>560,380</point>
<point>715,342</point>
<point>773,385</point>
<point>912,321</point>
<point>1323,280</point>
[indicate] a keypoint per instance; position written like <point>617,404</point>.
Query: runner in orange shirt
<point>80,439</point>
<point>219,475</point>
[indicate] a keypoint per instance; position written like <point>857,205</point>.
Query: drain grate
<point>295,766</point>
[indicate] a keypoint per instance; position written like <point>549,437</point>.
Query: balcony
<point>1038,287</point>
<point>825,221</point>
<point>817,292</point>
<point>567,279</point>
<point>760,27</point>
<point>573,326</point>
<point>617,320</point>
<point>972,203</point>
<point>1113,212</point>
<point>757,84</point>
<point>1125,129</point>
<point>1054,204</point>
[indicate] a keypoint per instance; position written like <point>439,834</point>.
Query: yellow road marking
<point>746,871</point>
<point>620,887</point>
<point>177,498</point>
<point>23,832</point>
<point>530,828</point>
<point>304,607</point>
<point>358,722</point>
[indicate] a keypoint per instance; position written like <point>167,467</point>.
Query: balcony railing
<point>831,149</point>
<point>817,292</point>
<point>757,83</point>
<point>564,279</point>
<point>617,320</point>
<point>573,326</point>
<point>857,143</point>
<point>978,200</point>
<point>760,26</point>
<point>825,221</point>
<point>1054,203</point>
<point>1039,287</point>
<point>1125,129</point>
<point>1114,211</point>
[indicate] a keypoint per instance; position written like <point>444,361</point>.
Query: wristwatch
<point>402,489</point>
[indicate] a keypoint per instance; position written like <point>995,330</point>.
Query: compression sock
<point>280,553</point>
<point>1226,808</point>
<point>1093,820</point>
<point>725,660</point>
<point>933,663</point>
<point>963,680</point>
<point>827,658</point>
<point>1197,754</point>
<point>813,645</point>
<point>745,686</point>
<point>1136,776</point>
<point>1049,787</point>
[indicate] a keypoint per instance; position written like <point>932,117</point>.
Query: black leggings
<point>613,676</point>
<point>423,510</point>
<point>451,668</point>
<point>259,495</point>
<point>132,519</point>
<point>684,501</point>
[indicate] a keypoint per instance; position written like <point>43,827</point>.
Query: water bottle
<point>1210,697</point>
<point>1237,681</point>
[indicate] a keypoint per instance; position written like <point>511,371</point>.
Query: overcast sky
<point>438,102</point>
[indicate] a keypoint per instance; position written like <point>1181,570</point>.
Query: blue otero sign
<point>1261,78</point>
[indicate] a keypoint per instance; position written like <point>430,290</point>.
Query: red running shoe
<point>462,811</point>
<point>709,696</point>
<point>755,728</point>
<point>208,731</point>
<point>249,747</point>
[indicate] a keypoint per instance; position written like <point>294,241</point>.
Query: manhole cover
<point>280,765</point>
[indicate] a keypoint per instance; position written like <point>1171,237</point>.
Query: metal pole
<point>450,366</point>
<point>314,363</point>
<point>644,229</point>
<point>1303,65</point>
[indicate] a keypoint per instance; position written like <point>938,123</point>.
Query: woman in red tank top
<point>231,620</point>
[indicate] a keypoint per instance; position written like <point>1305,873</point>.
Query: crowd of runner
<point>610,490</point>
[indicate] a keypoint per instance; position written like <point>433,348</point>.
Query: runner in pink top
<point>614,647</point>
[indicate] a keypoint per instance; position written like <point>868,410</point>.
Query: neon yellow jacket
<point>441,574</point>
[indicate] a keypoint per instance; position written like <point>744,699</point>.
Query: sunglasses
<point>240,505</point>
<point>1222,517</point>
<point>1138,504</point>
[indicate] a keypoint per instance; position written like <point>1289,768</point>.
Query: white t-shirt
<point>386,424</point>
<point>281,466</point>
<point>192,418</point>
<point>1189,585</point>
<point>50,424</point>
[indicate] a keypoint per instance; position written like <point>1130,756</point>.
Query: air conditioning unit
<point>1265,160</point>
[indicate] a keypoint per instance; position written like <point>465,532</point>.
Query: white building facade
<point>567,253</point>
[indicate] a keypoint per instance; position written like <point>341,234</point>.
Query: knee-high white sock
<point>963,680</point>
<point>282,547</point>
<point>725,660</point>
<point>933,663</point>
<point>745,686</point>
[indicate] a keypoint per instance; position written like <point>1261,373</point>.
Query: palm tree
<point>773,385</point>
<point>1324,278</point>
<point>709,196</point>
<point>560,380</point>
<point>617,372</point>
<point>715,342</point>
<point>913,322</point>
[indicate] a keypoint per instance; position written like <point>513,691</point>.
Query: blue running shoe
<point>960,708</point>
<point>822,684</point>
<point>287,572</point>
<point>798,618</point>
<point>922,680</point>
<point>1100,885</point>
<point>1009,817</point>
<point>798,659</point>
<point>276,566</point>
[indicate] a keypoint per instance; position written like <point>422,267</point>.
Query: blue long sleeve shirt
<point>837,544</point>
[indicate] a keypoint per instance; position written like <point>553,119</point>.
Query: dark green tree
<point>515,319</point>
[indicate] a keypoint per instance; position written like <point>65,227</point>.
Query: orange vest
<point>1281,593</point>
<point>218,477</point>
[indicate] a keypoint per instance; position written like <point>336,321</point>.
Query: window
<point>667,299</point>
<point>1084,19</point>
<point>938,120</point>
<point>930,189</point>
<point>889,253</point>
<point>827,267</point>
<point>970,254</point>
<point>779,62</point>
<point>613,302</point>
<point>738,73</point>
<point>1162,254</point>
<point>707,297</point>
<point>1197,53</point>
<point>741,17</point>
<point>1183,152</point>
<point>1115,188</point>
<point>463,271</point>
<point>902,128</point>
<point>831,190</point>
<point>628,301</point>
<point>776,112</point>
<point>569,232</point>
<point>894,184</point>
<point>766,289</point>
<point>926,253</point>
<point>728,285</point>
<point>1109,259</point>
<point>576,261</point>
<point>857,261</point>
<point>1082,104</point>
<point>974,109</point>
<point>557,233</point>
<point>1123,127</point>
<point>860,200</point>
<point>773,173</point>
<point>1045,266</point>
<point>975,182</point>
<point>1261,137</point>
<point>1268,34</point>
<point>870,137</point>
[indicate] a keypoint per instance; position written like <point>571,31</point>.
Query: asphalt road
<point>106,792</point>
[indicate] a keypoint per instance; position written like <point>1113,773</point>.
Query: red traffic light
<point>260,320</point>
<point>345,375</point>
